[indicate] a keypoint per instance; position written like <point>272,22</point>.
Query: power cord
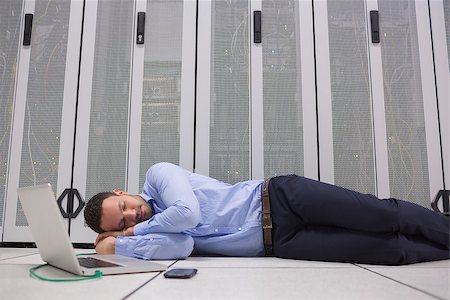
<point>98,274</point>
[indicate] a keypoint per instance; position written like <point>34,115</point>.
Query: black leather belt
<point>266,218</point>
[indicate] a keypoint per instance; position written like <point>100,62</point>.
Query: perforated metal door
<point>133,96</point>
<point>353,153</point>
<point>404,102</point>
<point>10,18</point>
<point>282,89</point>
<point>229,135</point>
<point>44,109</point>
<point>447,26</point>
<point>161,92</point>
<point>108,131</point>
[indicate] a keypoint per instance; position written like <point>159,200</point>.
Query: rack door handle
<point>27,29</point>
<point>71,194</point>
<point>375,26</point>
<point>445,195</point>
<point>140,35</point>
<point>257,26</point>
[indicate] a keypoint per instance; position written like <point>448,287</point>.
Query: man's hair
<point>93,211</point>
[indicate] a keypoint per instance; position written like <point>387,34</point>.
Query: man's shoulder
<point>162,167</point>
<point>163,164</point>
<point>165,171</point>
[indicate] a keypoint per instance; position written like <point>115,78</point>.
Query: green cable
<point>33,273</point>
<point>98,274</point>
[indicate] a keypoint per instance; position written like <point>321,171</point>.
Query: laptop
<point>52,240</point>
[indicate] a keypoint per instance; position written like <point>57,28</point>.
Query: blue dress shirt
<point>196,213</point>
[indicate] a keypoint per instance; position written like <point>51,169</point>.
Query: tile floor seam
<point>145,283</point>
<point>402,283</point>
<point>255,268</point>
<point>25,255</point>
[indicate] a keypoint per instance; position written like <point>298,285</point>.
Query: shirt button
<point>240,228</point>
<point>216,230</point>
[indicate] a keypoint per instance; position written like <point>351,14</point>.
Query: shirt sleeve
<point>155,246</point>
<point>170,184</point>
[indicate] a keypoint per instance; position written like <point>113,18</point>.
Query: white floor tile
<point>428,265</point>
<point>433,280</point>
<point>30,259</point>
<point>232,278</point>
<point>27,255</point>
<point>302,283</point>
<point>7,253</point>
<point>254,262</point>
<point>15,283</point>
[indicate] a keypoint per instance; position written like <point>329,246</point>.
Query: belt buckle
<point>266,222</point>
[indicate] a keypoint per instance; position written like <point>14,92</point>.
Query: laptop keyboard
<point>91,262</point>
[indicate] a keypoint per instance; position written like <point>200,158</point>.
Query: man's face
<point>123,211</point>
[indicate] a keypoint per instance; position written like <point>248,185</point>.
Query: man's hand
<point>106,246</point>
<point>128,231</point>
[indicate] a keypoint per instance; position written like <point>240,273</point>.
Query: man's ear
<point>119,192</point>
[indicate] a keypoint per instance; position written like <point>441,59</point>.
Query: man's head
<point>93,211</point>
<point>115,211</point>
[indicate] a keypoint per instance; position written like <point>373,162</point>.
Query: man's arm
<point>169,185</point>
<point>155,246</point>
<point>126,232</point>
<point>106,245</point>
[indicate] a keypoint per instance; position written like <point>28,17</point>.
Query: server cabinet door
<point>137,98</point>
<point>43,126</point>
<point>440,21</point>
<point>162,119</point>
<point>410,120</point>
<point>10,20</point>
<point>344,95</point>
<point>223,130</point>
<point>103,110</point>
<point>378,127</point>
<point>251,124</point>
<point>284,131</point>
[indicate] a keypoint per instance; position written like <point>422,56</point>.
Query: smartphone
<point>180,273</point>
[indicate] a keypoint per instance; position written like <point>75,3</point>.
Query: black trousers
<point>317,221</point>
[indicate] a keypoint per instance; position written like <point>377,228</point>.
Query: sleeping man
<point>180,212</point>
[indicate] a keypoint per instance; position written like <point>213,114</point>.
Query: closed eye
<point>121,221</point>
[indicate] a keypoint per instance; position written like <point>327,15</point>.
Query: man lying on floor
<point>180,212</point>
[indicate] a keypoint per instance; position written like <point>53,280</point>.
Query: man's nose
<point>130,215</point>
